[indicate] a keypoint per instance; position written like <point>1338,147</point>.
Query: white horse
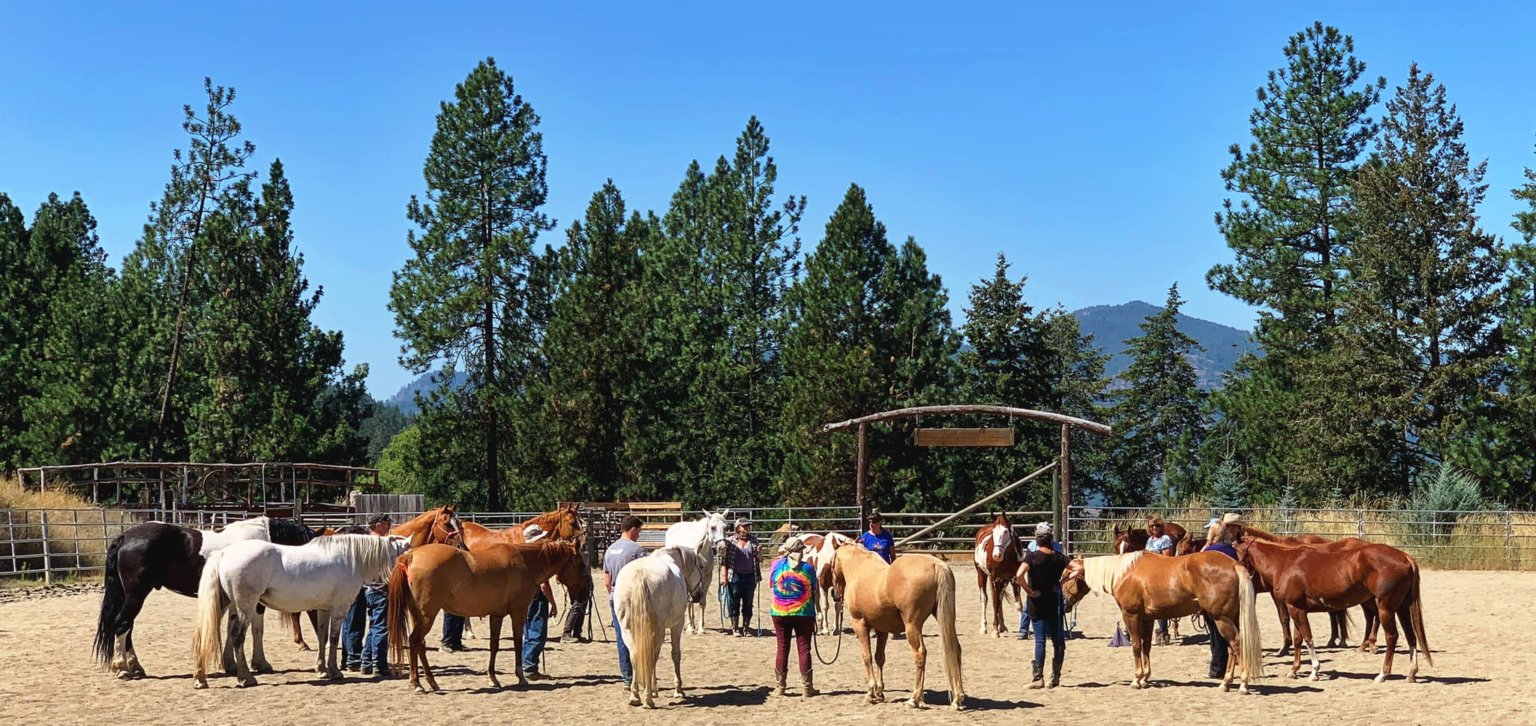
<point>818,552</point>
<point>651,596</point>
<point>323,576</point>
<point>706,537</point>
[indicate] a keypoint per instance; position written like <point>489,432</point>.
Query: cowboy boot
<point>1055,671</point>
<point>735,625</point>
<point>808,684</point>
<point>780,677</point>
<point>1038,679</point>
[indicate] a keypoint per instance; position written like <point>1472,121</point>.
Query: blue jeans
<point>626,670</point>
<point>352,632</point>
<point>1023,625</point>
<point>453,631</point>
<point>376,644</point>
<point>1049,626</point>
<point>534,633</point>
<point>743,584</point>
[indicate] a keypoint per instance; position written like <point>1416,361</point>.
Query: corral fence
<point>281,488</point>
<point>1469,540</point>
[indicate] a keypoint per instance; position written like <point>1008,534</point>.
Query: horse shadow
<point>728,696</point>
<point>1449,680</point>
<point>978,703</point>
<point>1157,683</point>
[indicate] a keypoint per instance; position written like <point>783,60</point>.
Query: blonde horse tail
<point>945,611</point>
<point>1248,625</point>
<point>399,602</point>
<point>1416,614</point>
<point>640,634</point>
<point>207,636</point>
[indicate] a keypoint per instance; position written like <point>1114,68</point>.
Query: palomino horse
<point>494,581</point>
<point>705,536</point>
<point>1135,540</point>
<point>651,597</point>
<point>561,525</point>
<point>1148,588</point>
<point>1338,620</point>
<point>898,598</point>
<point>1309,579</point>
<point>997,557</point>
<point>153,555</point>
<point>324,577</point>
<point>818,553</point>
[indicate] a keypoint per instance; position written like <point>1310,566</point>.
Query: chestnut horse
<point>1135,540</point>
<point>562,525</point>
<point>997,557</point>
<point>1148,588</point>
<point>1312,579</point>
<point>1338,620</point>
<point>494,581</point>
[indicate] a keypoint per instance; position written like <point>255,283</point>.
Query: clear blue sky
<point>1082,139</point>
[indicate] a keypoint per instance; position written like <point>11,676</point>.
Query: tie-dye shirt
<point>794,589</point>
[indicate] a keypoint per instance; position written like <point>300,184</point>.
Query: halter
<point>448,532</point>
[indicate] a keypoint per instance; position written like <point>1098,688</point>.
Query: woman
<point>878,539</point>
<point>739,574</point>
<point>1231,532</point>
<point>1040,578</point>
<point>1159,543</point>
<point>793,611</point>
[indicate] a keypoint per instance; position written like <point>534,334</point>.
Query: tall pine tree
<point>1158,416</point>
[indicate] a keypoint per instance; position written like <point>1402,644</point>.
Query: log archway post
<point>1066,487</point>
<point>861,477</point>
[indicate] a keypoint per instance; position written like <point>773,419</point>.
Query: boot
<point>735,625</point>
<point>1055,671</point>
<point>780,677</point>
<point>1038,679</point>
<point>808,684</point>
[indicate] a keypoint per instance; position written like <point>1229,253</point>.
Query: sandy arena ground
<point>1479,624</point>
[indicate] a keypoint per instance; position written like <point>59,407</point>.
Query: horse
<point>1135,540</point>
<point>998,555</point>
<point>1338,620</point>
<point>707,537</point>
<point>152,555</point>
<point>324,577</point>
<point>560,525</point>
<point>1309,579</point>
<point>818,553</point>
<point>1147,588</point>
<point>895,598</point>
<point>494,581</point>
<point>651,596</point>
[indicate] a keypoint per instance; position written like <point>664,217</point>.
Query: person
<point>540,610</point>
<point>376,596</point>
<point>575,620</point>
<point>1042,587</point>
<point>739,573</point>
<point>793,611</point>
<point>624,550</point>
<point>877,540</point>
<point>1159,543</point>
<point>1033,546</point>
<point>353,624</point>
<point>1231,532</point>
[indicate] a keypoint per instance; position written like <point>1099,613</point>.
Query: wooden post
<point>1066,486</point>
<point>47,557</point>
<point>860,475</point>
<point>95,485</point>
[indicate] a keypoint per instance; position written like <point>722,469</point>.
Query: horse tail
<point>640,633</point>
<point>1416,614</point>
<point>208,637</point>
<point>112,598</point>
<point>400,602</point>
<point>945,611</point>
<point>1248,624</point>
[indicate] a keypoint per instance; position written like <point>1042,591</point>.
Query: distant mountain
<point>1112,325</point>
<point>428,382</point>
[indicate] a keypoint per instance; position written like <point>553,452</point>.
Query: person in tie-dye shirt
<point>793,581</point>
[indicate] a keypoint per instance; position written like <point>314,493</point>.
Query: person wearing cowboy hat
<point>877,539</point>
<point>740,572</point>
<point>536,628</point>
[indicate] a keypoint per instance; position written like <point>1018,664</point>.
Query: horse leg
<point>1368,641</point>
<point>490,668</point>
<point>997,609</point>
<point>232,627</point>
<point>982,585</point>
<point>1133,629</point>
<point>1147,627</point>
<point>1228,630</point>
<point>677,661</point>
<point>517,643</point>
<point>1390,626</point>
<point>333,628</point>
<point>920,658</point>
<point>1304,635</point>
<point>297,627</point>
<point>861,631</point>
<point>125,662</point>
<point>327,659</point>
<point>259,662</point>
<point>240,624</point>
<point>1285,625</point>
<point>880,640</point>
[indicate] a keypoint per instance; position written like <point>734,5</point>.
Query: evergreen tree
<point>15,330</point>
<point>464,295</point>
<point>1158,419</point>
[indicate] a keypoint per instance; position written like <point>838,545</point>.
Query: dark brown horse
<point>1312,579</point>
<point>1338,620</point>
<point>997,557</point>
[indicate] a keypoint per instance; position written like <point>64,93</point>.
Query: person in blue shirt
<point>877,540</point>
<point>1159,543</point>
<point>1231,532</point>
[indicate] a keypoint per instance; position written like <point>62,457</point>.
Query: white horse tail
<point>1248,625</point>
<point>946,617</point>
<point>207,636</point>
<point>641,635</point>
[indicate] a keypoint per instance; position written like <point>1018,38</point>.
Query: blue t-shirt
<point>882,544</point>
<point>1221,547</point>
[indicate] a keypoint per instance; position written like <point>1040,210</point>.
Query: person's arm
<point>549,594</point>
<point>608,580</point>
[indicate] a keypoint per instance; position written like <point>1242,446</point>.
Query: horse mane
<point>366,552</point>
<point>1104,572</point>
<point>410,526</point>
<point>1255,533</point>
<point>289,531</point>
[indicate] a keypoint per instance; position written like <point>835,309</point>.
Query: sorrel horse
<point>1338,620</point>
<point>1310,579</point>
<point>324,577</point>
<point>1148,588</point>
<point>494,581</point>
<point>997,557</point>
<point>1135,540</point>
<point>899,598</point>
<point>149,556</point>
<point>650,598</point>
<point>560,525</point>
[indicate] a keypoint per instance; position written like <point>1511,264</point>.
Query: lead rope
<point>816,642</point>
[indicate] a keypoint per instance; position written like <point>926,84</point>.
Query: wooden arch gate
<point>1067,423</point>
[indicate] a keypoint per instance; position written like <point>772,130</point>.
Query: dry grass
<point>77,532</point>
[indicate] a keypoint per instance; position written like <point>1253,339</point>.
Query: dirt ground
<point>1479,624</point>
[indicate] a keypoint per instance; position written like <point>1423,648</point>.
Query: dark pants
<point>743,584</point>
<point>576,619</point>
<point>626,669</point>
<point>1219,648</point>
<point>375,645</point>
<point>453,631</point>
<point>1049,625</point>
<point>352,633</point>
<point>801,627</point>
<point>535,632</point>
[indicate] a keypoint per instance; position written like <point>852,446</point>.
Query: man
<point>357,619</point>
<point>624,550</point>
<point>1041,581</point>
<point>1159,543</point>
<point>739,573</point>
<point>375,655</point>
<point>878,540</point>
<point>536,628</point>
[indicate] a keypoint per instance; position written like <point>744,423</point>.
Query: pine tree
<point>15,330</point>
<point>463,297</point>
<point>1158,416</point>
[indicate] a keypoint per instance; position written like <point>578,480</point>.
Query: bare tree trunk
<point>181,325</point>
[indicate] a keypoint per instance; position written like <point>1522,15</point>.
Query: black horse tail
<point>112,598</point>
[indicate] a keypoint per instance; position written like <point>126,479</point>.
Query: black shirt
<point>1044,575</point>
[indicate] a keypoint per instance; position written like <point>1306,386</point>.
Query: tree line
<point>693,353</point>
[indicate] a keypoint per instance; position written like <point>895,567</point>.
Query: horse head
<point>1002,538</point>
<point>715,532</point>
<point>1074,583</point>
<point>445,528</point>
<point>573,572</point>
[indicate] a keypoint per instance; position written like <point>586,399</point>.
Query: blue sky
<point>1082,139</point>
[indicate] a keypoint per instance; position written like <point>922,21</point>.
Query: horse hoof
<point>678,694</point>
<point>247,683</point>
<point>199,685</point>
<point>914,703</point>
<point>421,690</point>
<point>304,647</point>
<point>1381,678</point>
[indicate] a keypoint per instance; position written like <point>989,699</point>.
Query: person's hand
<point>554,611</point>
